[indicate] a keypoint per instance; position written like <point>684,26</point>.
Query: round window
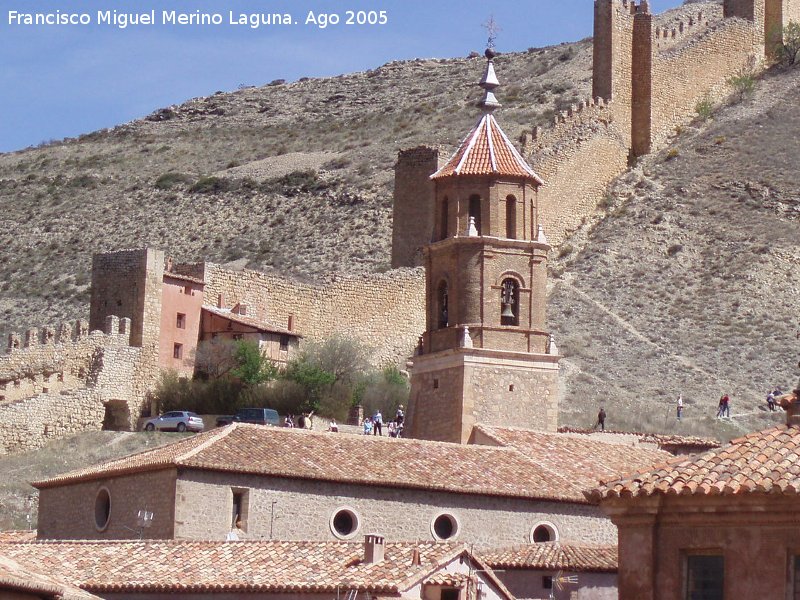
<point>345,523</point>
<point>444,527</point>
<point>102,509</point>
<point>544,532</point>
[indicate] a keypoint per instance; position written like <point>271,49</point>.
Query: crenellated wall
<point>57,381</point>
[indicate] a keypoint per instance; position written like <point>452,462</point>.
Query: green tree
<point>252,366</point>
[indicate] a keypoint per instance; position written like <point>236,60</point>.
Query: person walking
<point>725,409</point>
<point>680,406</point>
<point>771,401</point>
<point>601,419</point>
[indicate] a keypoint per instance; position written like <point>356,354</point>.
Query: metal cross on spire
<point>492,29</point>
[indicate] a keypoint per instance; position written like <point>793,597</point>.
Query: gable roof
<point>487,151</point>
<point>554,556</point>
<point>582,460</point>
<point>762,462</point>
<point>246,566</point>
<point>248,321</point>
<point>341,457</point>
<point>32,579</point>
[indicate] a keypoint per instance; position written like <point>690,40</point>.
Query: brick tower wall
<point>414,198</point>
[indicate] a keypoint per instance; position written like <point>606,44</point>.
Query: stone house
<point>289,484</point>
<point>262,570</point>
<point>720,524</point>
<point>556,571</point>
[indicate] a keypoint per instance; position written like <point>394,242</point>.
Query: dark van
<point>259,416</point>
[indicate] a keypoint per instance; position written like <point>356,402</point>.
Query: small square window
<point>436,384</point>
<point>284,342</point>
<point>511,388</point>
<point>237,336</point>
<point>704,577</point>
<point>547,582</point>
<point>180,322</point>
<point>177,351</point>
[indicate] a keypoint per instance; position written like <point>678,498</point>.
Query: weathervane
<point>492,29</point>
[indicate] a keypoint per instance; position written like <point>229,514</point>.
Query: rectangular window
<point>796,579</point>
<point>436,384</point>
<point>450,594</point>
<point>187,290</point>
<point>547,582</point>
<point>240,509</point>
<point>180,322</point>
<point>237,336</point>
<point>284,342</point>
<point>177,351</point>
<point>704,577</point>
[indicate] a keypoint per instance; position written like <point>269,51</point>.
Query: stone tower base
<point>453,390</point>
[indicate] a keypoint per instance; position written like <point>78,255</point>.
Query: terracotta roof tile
<point>487,151</point>
<point>181,277</point>
<point>246,566</point>
<point>761,462</point>
<point>582,460</point>
<point>341,457</point>
<point>17,535</point>
<point>661,440</point>
<point>554,556</point>
<point>32,579</point>
<point>249,321</point>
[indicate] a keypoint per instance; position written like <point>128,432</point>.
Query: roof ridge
<point>213,439</point>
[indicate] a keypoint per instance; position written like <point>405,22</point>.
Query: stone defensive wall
<point>582,151</point>
<point>385,311</point>
<point>694,62</point>
<point>57,381</point>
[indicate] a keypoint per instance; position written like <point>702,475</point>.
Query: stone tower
<point>485,356</point>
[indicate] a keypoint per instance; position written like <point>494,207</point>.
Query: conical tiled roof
<point>487,151</point>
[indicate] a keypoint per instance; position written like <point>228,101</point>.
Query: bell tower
<point>486,356</point>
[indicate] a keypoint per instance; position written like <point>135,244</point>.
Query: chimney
<point>290,323</point>
<point>169,264</point>
<point>220,301</point>
<point>789,403</point>
<point>415,559</point>
<point>374,546</point>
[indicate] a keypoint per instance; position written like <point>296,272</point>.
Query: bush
<point>742,84</point>
<point>790,46</point>
<point>167,181</point>
<point>211,185</point>
<point>704,109</point>
<point>252,367</point>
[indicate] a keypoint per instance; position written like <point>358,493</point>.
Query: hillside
<point>691,284</point>
<point>217,178</point>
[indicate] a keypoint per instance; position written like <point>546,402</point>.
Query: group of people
<point>771,396</point>
<point>303,421</point>
<point>374,425</point>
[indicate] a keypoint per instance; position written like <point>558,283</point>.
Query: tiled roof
<point>32,579</point>
<point>249,321</point>
<point>17,535</point>
<point>354,459</point>
<point>554,556</point>
<point>581,460</point>
<point>762,462</point>
<point>662,440</point>
<point>181,277</point>
<point>487,151</point>
<point>246,566</point>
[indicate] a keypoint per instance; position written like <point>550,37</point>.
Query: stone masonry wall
<point>578,156</point>
<point>68,511</point>
<point>696,69</point>
<point>60,381</point>
<point>386,311</point>
<point>302,510</point>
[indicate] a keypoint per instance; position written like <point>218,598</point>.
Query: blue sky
<point>61,81</point>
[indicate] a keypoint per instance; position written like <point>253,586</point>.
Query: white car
<point>176,420</point>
